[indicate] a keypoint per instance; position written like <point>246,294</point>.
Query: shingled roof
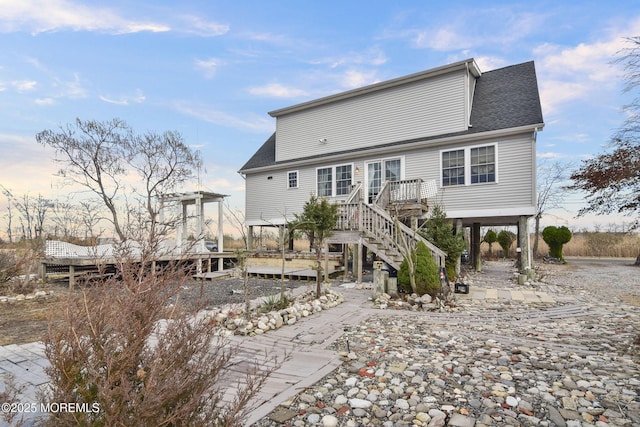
<point>504,98</point>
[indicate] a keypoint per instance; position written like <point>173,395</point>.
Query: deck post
<point>358,256</point>
<point>72,277</point>
<point>345,260</point>
<point>475,246</point>
<point>250,238</point>
<point>524,260</point>
<point>458,232</point>
<point>42,272</point>
<point>326,262</point>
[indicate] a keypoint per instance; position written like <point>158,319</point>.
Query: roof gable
<point>503,98</point>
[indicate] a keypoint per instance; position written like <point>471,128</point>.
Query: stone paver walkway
<point>305,343</point>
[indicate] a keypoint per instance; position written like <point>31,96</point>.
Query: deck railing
<point>377,224</point>
<point>404,191</point>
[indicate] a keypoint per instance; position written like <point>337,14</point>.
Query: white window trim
<point>467,164</point>
<point>297,179</point>
<point>382,160</point>
<point>384,178</point>
<point>333,177</point>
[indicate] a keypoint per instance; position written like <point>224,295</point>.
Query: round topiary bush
<point>556,237</point>
<point>427,278</point>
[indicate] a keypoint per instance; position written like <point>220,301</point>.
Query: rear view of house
<point>451,135</point>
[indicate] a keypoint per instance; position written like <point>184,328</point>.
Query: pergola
<point>197,198</point>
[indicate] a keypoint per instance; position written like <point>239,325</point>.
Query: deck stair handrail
<point>403,191</point>
<point>355,194</point>
<point>382,233</point>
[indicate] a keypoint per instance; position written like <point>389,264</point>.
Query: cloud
<point>24,85</point>
<point>137,98</point>
<point>254,124</point>
<point>372,56</point>
<point>550,155</point>
<point>70,89</point>
<point>39,16</point>
<point>497,26</point>
<point>352,79</point>
<point>583,71</point>
<point>44,101</point>
<point>571,73</point>
<point>202,28</point>
<point>488,63</point>
<point>277,90</point>
<point>208,66</point>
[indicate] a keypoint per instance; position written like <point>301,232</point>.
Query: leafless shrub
<point>16,266</point>
<point>11,396</point>
<point>142,360</point>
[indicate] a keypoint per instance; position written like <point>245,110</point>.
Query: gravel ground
<point>229,290</point>
<point>573,363</point>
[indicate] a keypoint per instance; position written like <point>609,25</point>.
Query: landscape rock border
<point>231,320</point>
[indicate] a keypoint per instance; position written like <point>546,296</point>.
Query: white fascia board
<point>397,148</point>
<point>267,222</point>
<point>492,213</point>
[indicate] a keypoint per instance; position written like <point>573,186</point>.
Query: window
<point>379,172</point>
<point>334,180</point>
<point>473,165</point>
<point>325,182</point>
<point>453,168</point>
<point>292,179</point>
<point>343,180</point>
<point>392,170</point>
<point>483,164</point>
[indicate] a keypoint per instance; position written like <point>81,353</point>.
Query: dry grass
<point>616,245</point>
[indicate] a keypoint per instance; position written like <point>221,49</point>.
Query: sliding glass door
<point>379,172</point>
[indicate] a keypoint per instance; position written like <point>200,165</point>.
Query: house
<point>451,135</point>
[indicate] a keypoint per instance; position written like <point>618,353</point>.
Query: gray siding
<point>425,108</point>
<point>267,200</point>
<point>515,186</point>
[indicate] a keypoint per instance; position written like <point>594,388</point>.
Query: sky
<point>212,70</point>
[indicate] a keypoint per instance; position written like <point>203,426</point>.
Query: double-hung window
<point>473,165</point>
<point>483,164</point>
<point>325,182</point>
<point>334,180</point>
<point>343,180</point>
<point>453,168</point>
<point>292,179</point>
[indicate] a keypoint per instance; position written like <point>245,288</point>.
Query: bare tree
<point>237,220</point>
<point>32,212</point>
<point>90,216</point>
<point>164,162</point>
<point>551,193</point>
<point>100,156</point>
<point>9,216</point>
<point>94,154</point>
<point>65,219</point>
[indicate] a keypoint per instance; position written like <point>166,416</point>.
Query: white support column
<point>220,227</point>
<point>199,246</point>
<point>182,229</point>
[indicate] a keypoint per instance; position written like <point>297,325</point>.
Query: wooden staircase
<point>381,233</point>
